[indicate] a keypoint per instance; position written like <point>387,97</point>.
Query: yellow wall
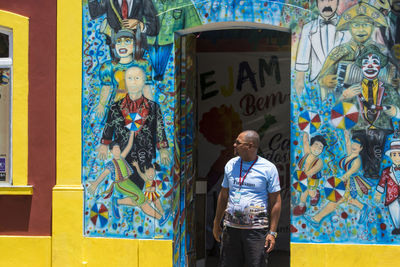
<point>19,251</point>
<point>329,255</point>
<point>69,247</point>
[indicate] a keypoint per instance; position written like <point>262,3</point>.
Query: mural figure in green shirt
<point>174,15</point>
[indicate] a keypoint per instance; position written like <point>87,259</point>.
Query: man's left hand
<point>269,243</point>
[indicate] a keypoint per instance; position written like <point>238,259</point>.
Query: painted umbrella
<point>99,215</point>
<point>334,189</point>
<point>300,181</point>
<point>136,122</point>
<point>344,115</point>
<point>309,122</point>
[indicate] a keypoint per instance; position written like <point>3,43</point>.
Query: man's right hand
<point>217,231</point>
<point>102,150</point>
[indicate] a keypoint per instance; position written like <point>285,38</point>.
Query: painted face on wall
<point>124,46</point>
<point>134,80</point>
<point>316,148</point>
<point>327,8</point>
<point>371,65</point>
<point>395,157</point>
<point>150,173</point>
<point>361,29</point>
<point>116,151</point>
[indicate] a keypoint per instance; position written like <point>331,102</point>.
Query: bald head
<point>135,79</point>
<point>251,136</point>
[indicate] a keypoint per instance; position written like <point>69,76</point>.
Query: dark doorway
<point>243,82</point>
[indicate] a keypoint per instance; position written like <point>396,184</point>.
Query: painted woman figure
<point>150,188</point>
<point>356,186</point>
<point>112,72</point>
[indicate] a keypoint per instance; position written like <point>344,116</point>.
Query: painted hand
<point>102,152</point>
<point>299,83</point>
<point>377,197</point>
<point>391,111</point>
<point>132,23</point>
<point>165,158</point>
<point>92,187</point>
<point>352,91</point>
<point>329,81</point>
<point>100,110</point>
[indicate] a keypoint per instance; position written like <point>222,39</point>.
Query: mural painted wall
<point>344,114</point>
<point>128,115</point>
<point>345,131</point>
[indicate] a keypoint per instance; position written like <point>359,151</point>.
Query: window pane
<point>4,124</point>
<point>4,45</point>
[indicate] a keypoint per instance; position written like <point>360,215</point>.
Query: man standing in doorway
<point>250,188</point>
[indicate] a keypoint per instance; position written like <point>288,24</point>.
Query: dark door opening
<point>243,82</point>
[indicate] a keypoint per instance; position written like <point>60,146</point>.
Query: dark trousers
<point>243,246</point>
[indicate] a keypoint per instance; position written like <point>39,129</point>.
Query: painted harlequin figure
<point>356,185</point>
<point>149,137</point>
<point>390,181</point>
<point>311,165</point>
<point>378,104</point>
<point>112,73</point>
<point>318,38</point>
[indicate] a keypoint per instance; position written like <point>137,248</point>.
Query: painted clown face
<point>124,47</point>
<point>371,65</point>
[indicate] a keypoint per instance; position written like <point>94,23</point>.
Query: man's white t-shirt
<point>248,204</point>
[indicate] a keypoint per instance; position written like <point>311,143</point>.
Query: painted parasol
<point>309,122</point>
<point>334,189</point>
<point>300,181</point>
<point>99,215</point>
<point>344,115</point>
<point>136,122</point>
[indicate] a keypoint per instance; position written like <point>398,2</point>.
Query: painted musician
<point>378,104</point>
<point>360,20</point>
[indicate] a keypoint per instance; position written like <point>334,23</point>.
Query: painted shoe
<point>115,208</point>
<point>164,218</point>
<point>363,214</point>
<point>311,221</point>
<point>396,231</point>
<point>314,200</point>
<point>299,210</point>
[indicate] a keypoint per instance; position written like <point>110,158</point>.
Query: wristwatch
<point>274,234</point>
